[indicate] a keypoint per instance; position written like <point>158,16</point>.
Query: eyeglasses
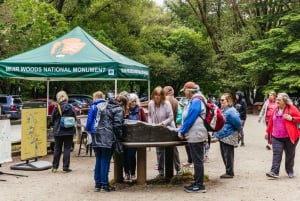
<point>278,99</point>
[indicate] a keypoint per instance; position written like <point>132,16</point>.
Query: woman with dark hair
<point>228,135</point>
<point>136,112</point>
<point>160,112</point>
<point>284,131</point>
<point>267,111</point>
<point>241,106</point>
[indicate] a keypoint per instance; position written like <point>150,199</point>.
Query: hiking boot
<point>226,176</point>
<point>272,174</point>
<point>194,188</point>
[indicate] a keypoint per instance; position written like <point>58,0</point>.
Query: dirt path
<point>249,184</point>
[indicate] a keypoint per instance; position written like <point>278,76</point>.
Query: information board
<point>5,141</point>
<point>34,131</point>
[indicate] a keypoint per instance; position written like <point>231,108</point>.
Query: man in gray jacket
<point>194,131</point>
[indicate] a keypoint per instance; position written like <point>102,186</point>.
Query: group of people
<point>107,115</point>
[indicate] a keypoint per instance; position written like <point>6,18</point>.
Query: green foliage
<point>33,24</point>
<point>277,56</point>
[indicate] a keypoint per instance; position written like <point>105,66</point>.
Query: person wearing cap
<point>177,119</point>
<point>160,112</point>
<point>194,131</point>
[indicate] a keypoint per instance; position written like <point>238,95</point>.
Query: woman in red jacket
<point>283,129</point>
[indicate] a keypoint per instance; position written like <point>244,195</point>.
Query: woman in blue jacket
<point>104,122</point>
<point>228,135</point>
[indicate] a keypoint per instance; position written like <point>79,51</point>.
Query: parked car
<point>52,105</point>
<point>11,105</point>
<point>85,100</point>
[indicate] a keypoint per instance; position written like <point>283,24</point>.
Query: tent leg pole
<point>148,90</point>
<point>47,97</point>
<point>116,87</point>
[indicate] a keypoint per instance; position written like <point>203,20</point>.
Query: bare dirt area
<point>249,183</point>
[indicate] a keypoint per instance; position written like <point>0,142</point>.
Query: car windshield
<point>17,101</point>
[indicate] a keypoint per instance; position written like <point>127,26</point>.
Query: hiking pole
<point>18,175</point>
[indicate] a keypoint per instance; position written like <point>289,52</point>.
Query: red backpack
<point>214,119</point>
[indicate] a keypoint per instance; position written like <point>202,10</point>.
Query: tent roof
<point>74,56</point>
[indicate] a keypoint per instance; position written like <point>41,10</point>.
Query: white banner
<point>5,141</point>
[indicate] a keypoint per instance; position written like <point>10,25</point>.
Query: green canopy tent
<point>74,56</point>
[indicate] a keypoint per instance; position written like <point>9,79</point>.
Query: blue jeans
<point>129,161</point>
<point>103,157</point>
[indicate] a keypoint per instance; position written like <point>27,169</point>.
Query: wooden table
<point>142,159</point>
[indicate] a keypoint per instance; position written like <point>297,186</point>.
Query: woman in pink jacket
<point>283,128</point>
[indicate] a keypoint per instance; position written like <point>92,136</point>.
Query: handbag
<point>65,121</point>
<point>118,147</point>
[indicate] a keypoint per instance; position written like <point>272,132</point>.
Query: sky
<point>159,2</point>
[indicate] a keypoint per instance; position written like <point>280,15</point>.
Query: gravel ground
<point>249,184</point>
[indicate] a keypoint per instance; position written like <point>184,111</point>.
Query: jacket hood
<point>240,94</point>
<point>95,102</point>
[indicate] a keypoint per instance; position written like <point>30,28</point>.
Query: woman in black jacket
<point>63,136</point>
<point>108,127</point>
<point>241,106</point>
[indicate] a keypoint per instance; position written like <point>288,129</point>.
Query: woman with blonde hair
<point>105,120</point>
<point>284,131</point>
<point>63,136</point>
<point>160,112</point>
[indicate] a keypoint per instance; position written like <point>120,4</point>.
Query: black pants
<point>187,149</point>
<point>197,154</point>
<point>61,141</point>
<point>280,145</point>
<point>227,152</point>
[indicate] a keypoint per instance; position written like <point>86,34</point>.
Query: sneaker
<point>272,174</point>
<point>67,170</point>
<point>268,147</point>
<point>179,172</point>
<point>127,178</point>
<point>98,188</point>
<point>108,188</point>
<point>291,175</point>
<point>133,177</point>
<point>242,144</point>
<point>54,170</point>
<point>226,176</point>
<point>194,188</point>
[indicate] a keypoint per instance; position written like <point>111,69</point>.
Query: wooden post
<point>141,165</point>
<point>169,162</point>
<point>118,168</point>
